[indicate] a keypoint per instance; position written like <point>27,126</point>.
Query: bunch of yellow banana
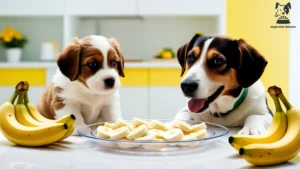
<point>281,141</point>
<point>23,125</point>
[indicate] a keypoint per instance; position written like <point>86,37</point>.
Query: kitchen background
<point>143,27</point>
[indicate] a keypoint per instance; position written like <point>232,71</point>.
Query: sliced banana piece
<point>111,125</point>
<point>140,131</point>
<point>198,127</point>
<point>200,134</point>
<point>119,133</point>
<point>170,125</point>
<point>137,122</point>
<point>148,137</point>
<point>188,138</point>
<point>155,146</point>
<point>173,135</point>
<point>184,126</point>
<point>127,144</point>
<point>122,123</point>
<point>158,133</point>
<point>150,127</point>
<point>104,132</point>
<point>158,125</point>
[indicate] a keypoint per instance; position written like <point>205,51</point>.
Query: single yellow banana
<point>68,133</point>
<point>27,136</point>
<point>279,151</point>
<point>70,125</point>
<point>22,115</point>
<point>275,132</point>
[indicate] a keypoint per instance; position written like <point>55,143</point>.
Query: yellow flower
<point>11,33</point>
<point>7,38</point>
<point>159,53</point>
<point>6,30</point>
<point>1,35</point>
<point>166,55</point>
<point>18,35</point>
<point>200,33</point>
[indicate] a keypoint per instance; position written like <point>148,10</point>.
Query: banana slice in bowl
<point>119,133</point>
<point>140,131</point>
<point>173,135</point>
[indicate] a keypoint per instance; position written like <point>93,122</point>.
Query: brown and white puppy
<point>223,83</point>
<point>86,83</point>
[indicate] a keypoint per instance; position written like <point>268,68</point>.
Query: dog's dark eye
<point>218,61</point>
<point>114,63</point>
<point>93,66</point>
<point>191,59</point>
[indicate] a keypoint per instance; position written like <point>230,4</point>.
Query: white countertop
<point>81,153</point>
<point>163,64</point>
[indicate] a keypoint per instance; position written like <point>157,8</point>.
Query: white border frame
<point>294,61</point>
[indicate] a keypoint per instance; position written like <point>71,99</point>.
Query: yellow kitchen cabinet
<point>12,76</point>
<point>164,77</point>
<point>135,77</point>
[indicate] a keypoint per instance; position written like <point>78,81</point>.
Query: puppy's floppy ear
<point>288,5</point>
<point>181,57</point>
<point>69,60</point>
<point>277,4</point>
<point>252,64</point>
<point>120,65</point>
<point>182,53</point>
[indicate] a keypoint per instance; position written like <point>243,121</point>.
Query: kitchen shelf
<point>53,65</point>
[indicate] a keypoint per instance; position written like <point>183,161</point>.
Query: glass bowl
<point>214,131</point>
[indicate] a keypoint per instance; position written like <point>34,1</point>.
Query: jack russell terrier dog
<point>223,83</point>
<point>86,83</point>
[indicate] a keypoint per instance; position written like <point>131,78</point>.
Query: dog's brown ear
<point>252,64</point>
<point>69,60</point>
<point>120,64</point>
<point>181,57</point>
<point>182,53</point>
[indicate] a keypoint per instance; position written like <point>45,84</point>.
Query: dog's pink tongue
<point>196,104</point>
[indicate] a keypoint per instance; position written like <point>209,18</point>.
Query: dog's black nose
<point>189,87</point>
<point>109,82</point>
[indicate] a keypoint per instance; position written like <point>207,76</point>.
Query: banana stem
<point>286,103</point>
<point>26,99</point>
<point>21,98</point>
<point>277,104</point>
<point>13,97</point>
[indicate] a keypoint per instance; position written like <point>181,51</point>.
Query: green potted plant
<point>13,41</point>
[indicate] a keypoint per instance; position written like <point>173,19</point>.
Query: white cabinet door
<point>134,102</point>
<point>180,7</point>
<point>32,7</point>
<point>165,102</point>
<point>101,7</point>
